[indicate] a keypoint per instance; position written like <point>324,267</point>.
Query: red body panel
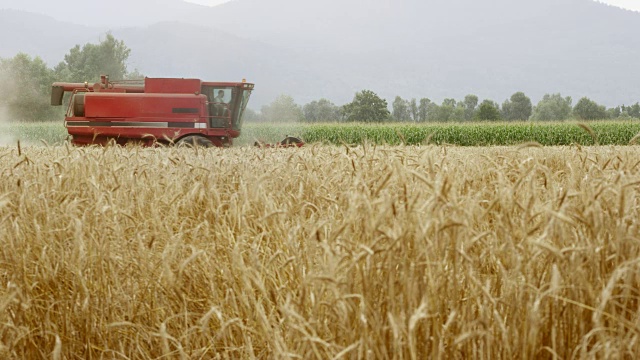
<point>114,105</point>
<point>172,86</point>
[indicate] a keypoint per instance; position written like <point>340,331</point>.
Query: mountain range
<point>313,49</point>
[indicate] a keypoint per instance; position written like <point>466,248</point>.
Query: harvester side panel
<point>132,106</point>
<point>172,86</point>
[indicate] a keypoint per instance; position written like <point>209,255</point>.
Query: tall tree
<point>632,111</point>
<point>433,112</point>
<point>400,109</point>
<point>282,109</point>
<point>614,113</point>
<point>413,110</point>
<point>450,110</point>
<point>552,107</point>
<point>321,110</point>
<point>449,102</point>
<point>26,88</point>
<point>423,109</point>
<point>518,107</point>
<point>587,109</point>
<point>366,106</point>
<point>470,105</point>
<point>109,57</point>
<point>488,110</point>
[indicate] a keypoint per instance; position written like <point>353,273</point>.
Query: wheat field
<point>322,252</point>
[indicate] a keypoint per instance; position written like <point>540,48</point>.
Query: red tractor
<point>156,111</point>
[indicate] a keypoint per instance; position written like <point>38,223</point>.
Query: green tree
<point>413,110</point>
<point>433,112</point>
<point>450,110</point>
<point>470,106</point>
<point>518,107</point>
<point>587,109</point>
<point>423,109</point>
<point>632,111</point>
<point>488,110</point>
<point>321,110</point>
<point>400,108</point>
<point>134,75</point>
<point>552,107</point>
<point>614,113</point>
<point>449,102</point>
<point>26,88</point>
<point>366,106</point>
<point>109,57</point>
<point>282,109</point>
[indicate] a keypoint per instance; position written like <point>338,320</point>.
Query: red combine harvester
<point>156,111</point>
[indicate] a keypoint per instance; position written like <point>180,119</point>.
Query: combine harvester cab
<point>154,111</point>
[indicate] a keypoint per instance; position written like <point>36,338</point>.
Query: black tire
<point>291,140</point>
<point>194,141</point>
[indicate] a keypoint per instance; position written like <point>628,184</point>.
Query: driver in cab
<point>219,103</point>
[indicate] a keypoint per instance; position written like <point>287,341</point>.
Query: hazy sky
<point>629,4</point>
<point>207,2</point>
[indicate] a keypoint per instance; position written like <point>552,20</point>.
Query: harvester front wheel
<point>194,141</point>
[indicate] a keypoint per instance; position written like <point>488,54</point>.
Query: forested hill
<point>354,25</point>
<point>413,48</point>
<point>40,35</point>
<point>448,48</point>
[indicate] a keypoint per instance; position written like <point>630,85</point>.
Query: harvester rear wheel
<point>291,140</point>
<point>194,141</point>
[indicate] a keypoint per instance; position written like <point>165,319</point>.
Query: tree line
<point>25,82</point>
<point>25,85</point>
<point>367,106</point>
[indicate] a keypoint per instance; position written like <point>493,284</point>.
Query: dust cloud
<point>6,89</point>
<point>6,134</point>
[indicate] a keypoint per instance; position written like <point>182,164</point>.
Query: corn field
<point>469,134</point>
<point>324,252</point>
